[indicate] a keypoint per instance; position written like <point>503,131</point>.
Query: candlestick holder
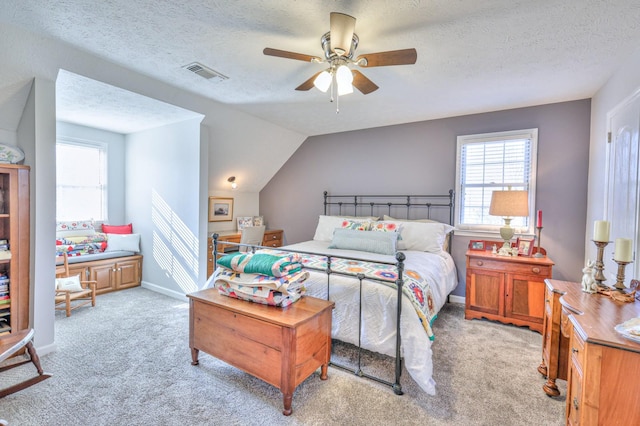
<point>620,277</point>
<point>538,252</point>
<point>599,277</point>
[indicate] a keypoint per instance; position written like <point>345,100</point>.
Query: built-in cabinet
<point>509,289</point>
<point>111,274</point>
<point>14,248</point>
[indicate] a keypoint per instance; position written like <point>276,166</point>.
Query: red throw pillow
<point>117,229</point>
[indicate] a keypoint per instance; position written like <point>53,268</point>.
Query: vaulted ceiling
<point>473,56</point>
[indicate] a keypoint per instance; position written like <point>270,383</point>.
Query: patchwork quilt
<point>416,288</point>
<point>77,246</point>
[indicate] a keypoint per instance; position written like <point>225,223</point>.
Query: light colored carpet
<point>127,362</point>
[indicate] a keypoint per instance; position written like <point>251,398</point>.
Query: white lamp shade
<point>322,81</point>
<point>344,78</point>
<point>509,203</point>
<point>342,28</point>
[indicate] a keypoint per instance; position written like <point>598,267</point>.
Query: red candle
<point>539,224</point>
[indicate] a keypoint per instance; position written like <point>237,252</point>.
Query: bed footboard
<point>329,271</point>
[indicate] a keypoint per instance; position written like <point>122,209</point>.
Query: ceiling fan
<point>339,45</point>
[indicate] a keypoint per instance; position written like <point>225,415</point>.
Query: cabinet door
<point>574,393</point>
<point>128,273</point>
<point>525,298</point>
<point>485,291</point>
<point>80,270</point>
<point>103,275</point>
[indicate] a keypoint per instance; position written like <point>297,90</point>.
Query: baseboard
<point>165,291</point>
<point>46,349</point>
<point>456,299</point>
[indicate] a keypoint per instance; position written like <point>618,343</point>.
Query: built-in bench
<point>115,270</point>
<point>108,256</point>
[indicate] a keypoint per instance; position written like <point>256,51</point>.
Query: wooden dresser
<point>282,346</point>
<point>603,368</point>
<point>509,289</point>
<point>272,238</point>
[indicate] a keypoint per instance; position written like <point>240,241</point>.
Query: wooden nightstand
<point>506,289</point>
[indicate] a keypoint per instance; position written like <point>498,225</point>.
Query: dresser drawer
<point>577,351</point>
<point>272,239</point>
<point>543,271</point>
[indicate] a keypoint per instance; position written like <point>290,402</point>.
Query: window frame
<point>493,231</point>
<point>102,146</point>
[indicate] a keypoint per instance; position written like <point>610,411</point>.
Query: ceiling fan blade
<point>393,57</point>
<point>290,55</point>
<point>362,83</point>
<point>342,28</point>
<point>309,83</point>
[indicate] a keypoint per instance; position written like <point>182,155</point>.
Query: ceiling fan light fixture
<point>342,28</point>
<point>323,81</point>
<point>344,79</point>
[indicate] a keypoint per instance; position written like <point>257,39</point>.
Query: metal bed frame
<point>374,204</point>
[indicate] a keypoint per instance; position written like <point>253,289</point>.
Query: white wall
<point>624,83</point>
<point>36,135</point>
<point>162,195</point>
<point>115,163</point>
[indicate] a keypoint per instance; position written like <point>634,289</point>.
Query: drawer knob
<point>479,263</point>
<point>574,350</point>
<point>536,270</point>
<point>575,402</point>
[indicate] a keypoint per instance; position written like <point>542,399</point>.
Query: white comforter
<point>379,306</point>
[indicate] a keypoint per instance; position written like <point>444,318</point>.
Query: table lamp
<point>508,204</point>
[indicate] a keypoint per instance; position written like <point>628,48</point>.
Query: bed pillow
<point>117,229</point>
<point>369,218</point>
<point>385,217</point>
<point>358,225</point>
<point>369,241</point>
<point>422,236</point>
<point>69,283</point>
<point>126,242</point>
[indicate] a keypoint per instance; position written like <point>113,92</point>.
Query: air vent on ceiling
<point>204,71</point>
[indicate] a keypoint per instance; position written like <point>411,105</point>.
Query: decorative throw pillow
<point>369,241</point>
<point>117,229</point>
<point>76,228</point>
<point>70,283</point>
<point>120,242</point>
<point>355,224</point>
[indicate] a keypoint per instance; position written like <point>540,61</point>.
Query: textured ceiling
<point>473,56</point>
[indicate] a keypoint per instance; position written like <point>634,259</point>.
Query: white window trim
<point>493,231</point>
<point>97,144</point>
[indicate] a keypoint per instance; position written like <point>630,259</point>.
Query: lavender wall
<point>419,158</point>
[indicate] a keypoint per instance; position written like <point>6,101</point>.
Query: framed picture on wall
<point>220,209</point>
<point>244,222</point>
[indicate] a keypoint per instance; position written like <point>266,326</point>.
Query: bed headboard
<point>434,207</point>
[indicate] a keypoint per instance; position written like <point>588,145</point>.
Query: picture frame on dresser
<point>525,246</point>
<point>220,209</point>
<point>244,222</point>
<point>476,245</point>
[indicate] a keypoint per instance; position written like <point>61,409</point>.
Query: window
<point>81,184</point>
<point>488,162</point>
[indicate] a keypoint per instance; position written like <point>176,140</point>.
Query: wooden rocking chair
<point>66,300</point>
<point>9,346</point>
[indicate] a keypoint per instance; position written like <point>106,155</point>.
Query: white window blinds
<point>81,170</point>
<point>493,162</point>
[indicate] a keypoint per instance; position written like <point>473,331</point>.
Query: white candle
<point>601,231</point>
<point>623,250</point>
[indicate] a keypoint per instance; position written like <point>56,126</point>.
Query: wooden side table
<point>508,289</point>
<point>282,346</point>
